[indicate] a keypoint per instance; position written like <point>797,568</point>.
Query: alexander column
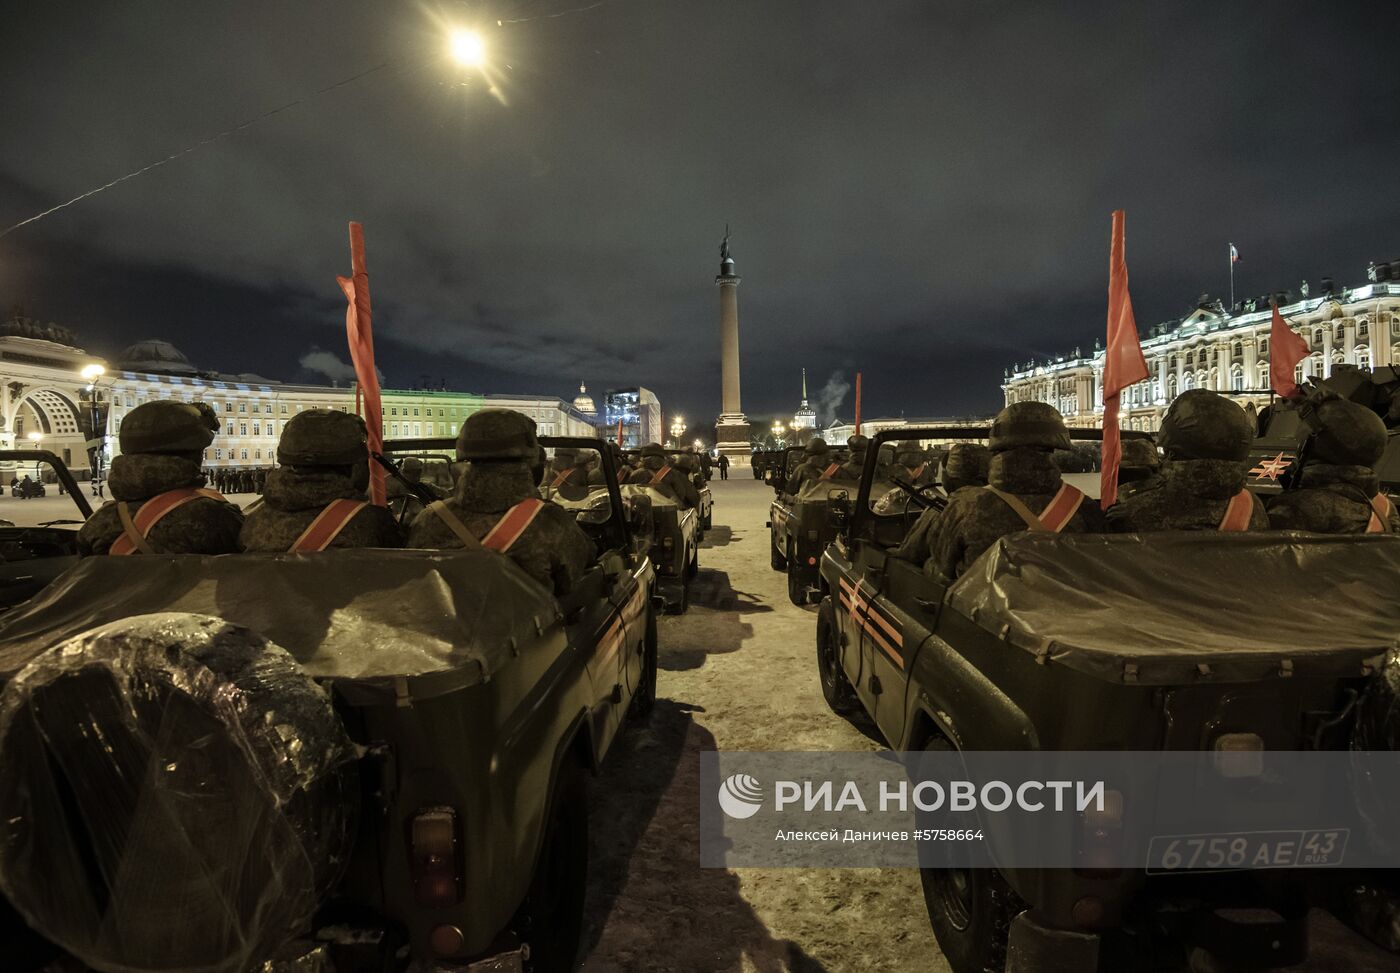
<point>732,430</point>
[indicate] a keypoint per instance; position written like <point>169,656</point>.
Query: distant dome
<point>583,402</point>
<point>155,355</point>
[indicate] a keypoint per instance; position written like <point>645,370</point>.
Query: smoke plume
<point>829,398</point>
<point>328,364</point>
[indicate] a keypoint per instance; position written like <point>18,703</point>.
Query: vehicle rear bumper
<point>1034,948</point>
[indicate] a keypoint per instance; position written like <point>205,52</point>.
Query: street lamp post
<point>677,430</point>
<point>35,437</point>
<point>96,453</point>
<point>778,430</point>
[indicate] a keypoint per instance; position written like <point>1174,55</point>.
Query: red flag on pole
<point>857,403</point>
<point>1286,349</point>
<point>361,339</point>
<point>619,434</point>
<point>1123,363</point>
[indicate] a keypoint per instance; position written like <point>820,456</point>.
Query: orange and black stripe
<point>874,621</point>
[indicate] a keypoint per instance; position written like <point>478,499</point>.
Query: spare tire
<point>177,795</point>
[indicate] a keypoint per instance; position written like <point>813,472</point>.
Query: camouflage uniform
<point>915,463</point>
<point>1023,437</point>
<point>816,459</point>
<point>501,446</point>
<point>676,484</point>
<point>322,456</point>
<point>1339,478</point>
<point>1139,468</point>
<point>572,466</point>
<point>853,468</point>
<point>595,475</point>
<point>963,465</point>
<point>1205,439</point>
<point>162,443</point>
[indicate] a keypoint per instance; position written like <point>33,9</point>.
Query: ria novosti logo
<point>740,796</point>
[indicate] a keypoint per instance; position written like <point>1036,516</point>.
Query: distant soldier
<point>662,476</point>
<point>159,503</point>
<point>853,468</point>
<point>1205,440</point>
<point>1024,492</point>
<point>497,506</point>
<point>916,465</point>
<point>568,474</point>
<point>403,495</point>
<point>595,475</point>
<point>1139,468</point>
<point>1340,492</point>
<point>964,465</point>
<point>817,464</point>
<point>316,498</point>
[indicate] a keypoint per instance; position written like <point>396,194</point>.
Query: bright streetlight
<point>93,372</point>
<point>468,49</point>
<point>35,436</point>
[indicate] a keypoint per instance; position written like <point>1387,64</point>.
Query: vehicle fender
<point>949,696</point>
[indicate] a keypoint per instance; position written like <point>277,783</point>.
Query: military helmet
<point>816,447</point>
<point>1139,454</point>
<point>1201,424</point>
<point>564,456</point>
<point>165,426</point>
<point>498,435</point>
<point>858,443</point>
<point>966,464</point>
<point>652,450</point>
<point>1347,434</point>
<point>1038,425</point>
<point>323,437</point>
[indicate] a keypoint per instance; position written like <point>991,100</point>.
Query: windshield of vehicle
<point>36,488</point>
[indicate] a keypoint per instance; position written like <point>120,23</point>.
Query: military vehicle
<point>1064,642</point>
<point>1278,454</point>
<point>31,557</point>
<point>706,509</point>
<point>801,526</point>
<point>346,760</point>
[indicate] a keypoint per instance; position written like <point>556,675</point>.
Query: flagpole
<point>1230,255</point>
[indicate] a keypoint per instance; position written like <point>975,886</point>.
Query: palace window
<point>267,409</point>
<point>415,410</point>
<point>219,453</point>
<point>242,429</point>
<point>257,428</point>
<point>1363,328</point>
<point>257,454</point>
<point>393,411</point>
<point>439,413</point>
<point>230,427</point>
<point>243,407</point>
<point>1263,346</point>
<point>1237,379</point>
<point>284,408</point>
<point>228,406</point>
<point>394,429</point>
<point>1239,349</point>
<point>243,454</point>
<point>1363,357</point>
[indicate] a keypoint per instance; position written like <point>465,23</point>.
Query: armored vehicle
<point>346,760</point>
<point>31,557</point>
<point>1060,642</point>
<point>801,525</point>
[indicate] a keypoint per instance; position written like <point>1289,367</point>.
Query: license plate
<point>1320,848</point>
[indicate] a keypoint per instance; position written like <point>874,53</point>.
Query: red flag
<point>857,403</point>
<point>361,339</point>
<point>1123,363</point>
<point>619,434</point>
<point>1286,349</point>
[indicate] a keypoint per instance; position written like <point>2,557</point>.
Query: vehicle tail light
<point>1239,755</point>
<point>1101,837</point>
<point>435,852</point>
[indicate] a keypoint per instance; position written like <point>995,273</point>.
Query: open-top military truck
<point>31,557</point>
<point>706,508</point>
<point>357,757</point>
<point>1130,642</point>
<point>802,525</point>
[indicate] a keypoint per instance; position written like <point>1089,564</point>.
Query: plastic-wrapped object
<point>177,795</point>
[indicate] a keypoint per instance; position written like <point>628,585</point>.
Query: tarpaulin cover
<point>177,795</point>
<point>365,617</point>
<point>1156,608</point>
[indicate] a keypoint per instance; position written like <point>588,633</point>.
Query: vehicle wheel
<point>776,559</point>
<point>797,591</point>
<point>550,919</point>
<point>644,699</point>
<point>709,519</point>
<point>970,909</point>
<point>836,688</point>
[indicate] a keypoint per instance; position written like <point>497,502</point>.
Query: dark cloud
<point>919,191</point>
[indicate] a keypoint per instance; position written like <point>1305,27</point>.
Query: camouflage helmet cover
<point>653,449</point>
<point>858,443</point>
<point>498,435</point>
<point>1347,434</point>
<point>322,437</point>
<point>1038,425</point>
<point>1201,424</point>
<point>966,464</point>
<point>1140,454</point>
<point>816,447</point>
<point>165,426</point>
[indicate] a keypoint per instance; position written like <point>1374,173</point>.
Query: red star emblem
<point>1272,469</point>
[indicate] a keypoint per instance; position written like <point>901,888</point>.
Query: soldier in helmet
<point>1139,468</point>
<point>1024,491</point>
<point>568,473</point>
<point>316,498</point>
<point>496,504</point>
<point>656,472</point>
<point>1340,492</point>
<point>1205,440</point>
<point>817,464</point>
<point>964,465</point>
<point>912,464</point>
<point>596,476</point>
<point>158,505</point>
<point>853,467</point>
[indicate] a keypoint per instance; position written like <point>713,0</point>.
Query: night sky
<point>919,190</point>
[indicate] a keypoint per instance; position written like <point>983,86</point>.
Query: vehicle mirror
<point>840,509</point>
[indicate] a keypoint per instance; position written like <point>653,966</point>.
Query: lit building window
<point>242,429</point>
<point>243,454</point>
<point>284,408</point>
<point>243,407</point>
<point>228,406</point>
